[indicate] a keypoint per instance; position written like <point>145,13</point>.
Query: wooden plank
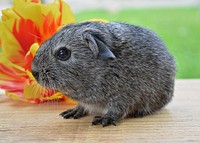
<point>177,122</point>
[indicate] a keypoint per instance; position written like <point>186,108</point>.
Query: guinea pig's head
<point>70,57</point>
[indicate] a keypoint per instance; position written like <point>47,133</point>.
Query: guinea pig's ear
<point>98,47</point>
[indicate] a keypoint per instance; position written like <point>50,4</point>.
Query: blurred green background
<point>178,27</point>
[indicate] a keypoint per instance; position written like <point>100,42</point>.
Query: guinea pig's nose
<point>35,74</point>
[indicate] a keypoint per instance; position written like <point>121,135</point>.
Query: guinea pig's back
<point>147,63</point>
<point>138,44</point>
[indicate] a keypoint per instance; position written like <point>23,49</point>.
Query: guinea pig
<point>112,70</point>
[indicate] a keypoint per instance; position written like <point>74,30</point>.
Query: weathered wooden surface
<point>177,122</point>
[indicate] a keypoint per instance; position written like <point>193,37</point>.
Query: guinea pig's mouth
<point>45,81</point>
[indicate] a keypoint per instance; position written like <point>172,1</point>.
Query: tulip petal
<point>9,14</point>
<point>23,28</point>
<point>12,51</point>
<point>24,9</point>
<point>66,13</point>
<point>34,48</point>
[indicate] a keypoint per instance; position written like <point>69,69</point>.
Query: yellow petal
<point>36,11</point>
<point>98,19</point>
<point>57,95</point>
<point>67,15</point>
<point>33,90</point>
<point>34,48</point>
<point>18,71</point>
<point>30,75</point>
<point>70,101</point>
<point>28,10</point>
<point>12,50</point>
<point>22,1</point>
<point>9,14</point>
<point>16,97</point>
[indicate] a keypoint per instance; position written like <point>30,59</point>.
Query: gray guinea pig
<point>113,70</point>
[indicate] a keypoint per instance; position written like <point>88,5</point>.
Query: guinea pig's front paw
<point>104,121</point>
<point>75,113</point>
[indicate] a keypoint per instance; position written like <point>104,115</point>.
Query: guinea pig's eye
<point>63,54</point>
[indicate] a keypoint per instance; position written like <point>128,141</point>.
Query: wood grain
<point>177,122</point>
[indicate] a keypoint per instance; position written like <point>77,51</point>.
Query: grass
<point>178,27</point>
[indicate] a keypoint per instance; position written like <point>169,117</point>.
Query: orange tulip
<point>22,30</point>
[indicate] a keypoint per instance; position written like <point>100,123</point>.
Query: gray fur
<point>139,81</point>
